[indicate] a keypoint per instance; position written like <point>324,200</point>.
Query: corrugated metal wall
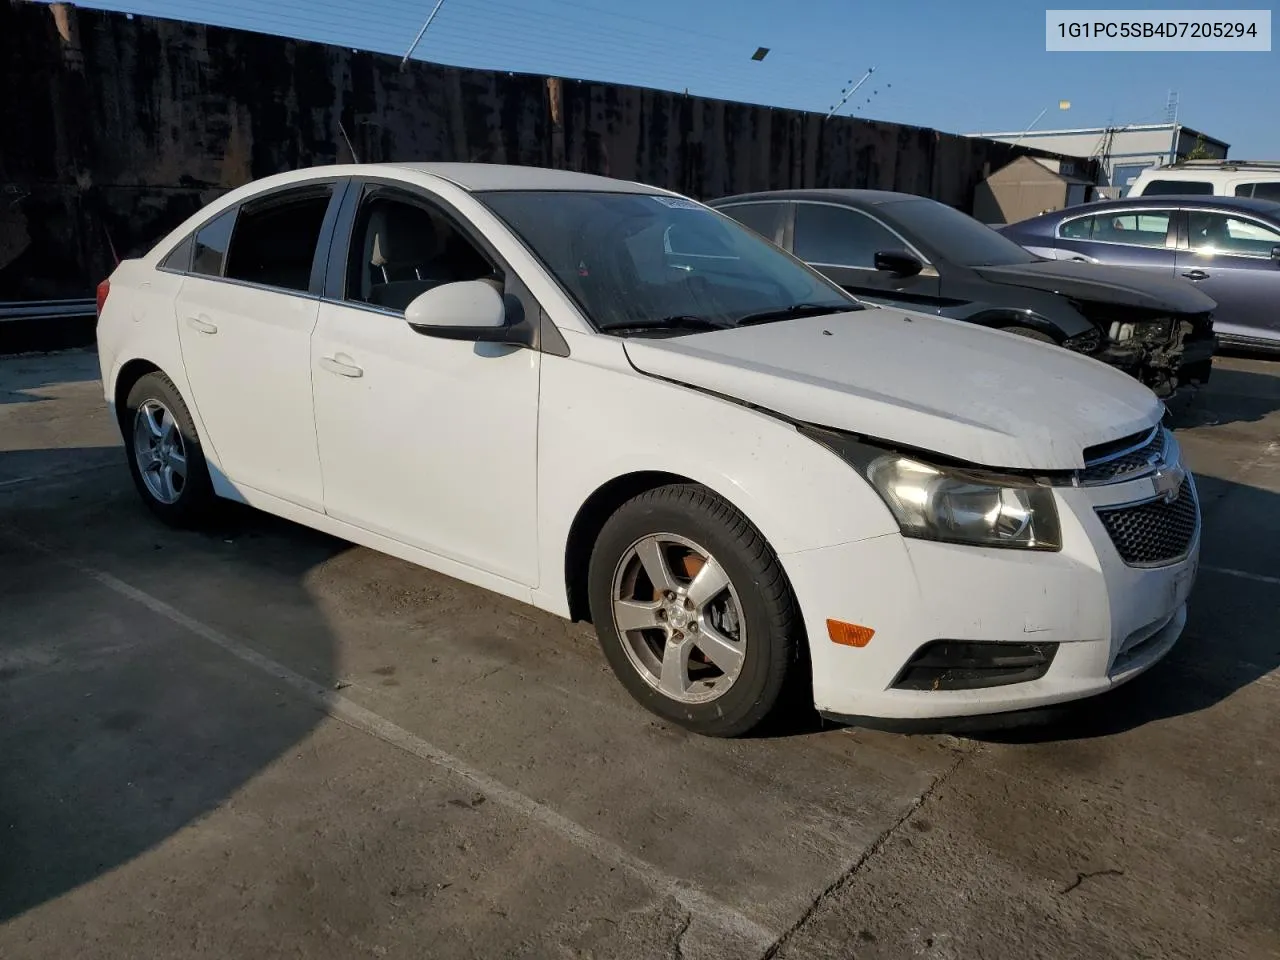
<point>115,129</point>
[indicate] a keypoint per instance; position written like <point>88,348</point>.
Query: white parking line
<point>692,899</point>
<point>1243,574</point>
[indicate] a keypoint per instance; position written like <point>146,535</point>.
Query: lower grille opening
<point>973,664</point>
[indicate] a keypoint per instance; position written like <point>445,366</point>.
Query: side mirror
<point>465,310</point>
<point>1275,254</point>
<point>898,262</point>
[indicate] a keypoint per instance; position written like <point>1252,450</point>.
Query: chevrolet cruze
<point>618,405</point>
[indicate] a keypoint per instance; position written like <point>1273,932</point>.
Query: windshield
<point>957,236</point>
<point>663,263</point>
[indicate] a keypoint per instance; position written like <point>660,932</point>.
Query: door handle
<point>202,324</point>
<point>342,366</point>
<point>1196,275</point>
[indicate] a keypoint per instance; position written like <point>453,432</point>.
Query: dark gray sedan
<point>919,254</point>
<point>1228,246</point>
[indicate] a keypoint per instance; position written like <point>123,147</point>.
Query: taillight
<point>103,289</point>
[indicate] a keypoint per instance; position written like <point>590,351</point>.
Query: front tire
<point>693,611</point>
<point>165,457</point>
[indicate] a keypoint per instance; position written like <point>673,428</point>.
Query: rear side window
<point>763,218</point>
<point>1185,187</point>
<point>1147,228</point>
<point>274,243</point>
<point>1267,190</point>
<point>1080,228</point>
<point>212,241</point>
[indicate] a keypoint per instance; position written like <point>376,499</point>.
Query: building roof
<point>1099,131</point>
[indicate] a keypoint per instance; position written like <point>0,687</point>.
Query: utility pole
<point>849,93</point>
<point>418,39</point>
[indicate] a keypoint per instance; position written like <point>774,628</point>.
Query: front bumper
<point>1110,620</point>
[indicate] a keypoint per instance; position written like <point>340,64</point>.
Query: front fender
<point>601,422</point>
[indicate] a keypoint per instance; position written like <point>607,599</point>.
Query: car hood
<point>977,395</point>
<point>1124,286</point>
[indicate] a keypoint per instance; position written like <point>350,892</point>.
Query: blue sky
<point>955,66</point>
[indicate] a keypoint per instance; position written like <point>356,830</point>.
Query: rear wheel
<point>165,457</point>
<point>693,611</point>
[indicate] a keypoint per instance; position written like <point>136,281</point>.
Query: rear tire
<point>165,457</point>
<point>725,592</point>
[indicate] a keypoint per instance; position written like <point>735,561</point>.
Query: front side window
<point>956,236</point>
<point>660,262</point>
<point>274,242</point>
<point>1181,187</point>
<point>401,247</point>
<point>840,237</point>
<point>1212,233</point>
<point>212,241</point>
<point>1145,228</point>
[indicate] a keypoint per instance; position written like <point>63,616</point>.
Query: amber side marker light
<point>849,634</point>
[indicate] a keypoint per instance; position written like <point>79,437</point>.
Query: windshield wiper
<point>666,323</point>
<point>797,310</point>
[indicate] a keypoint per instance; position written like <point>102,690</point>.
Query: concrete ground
<point>264,742</point>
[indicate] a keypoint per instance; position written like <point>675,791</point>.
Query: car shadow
<point>1234,394</point>
<point>120,725</point>
<point>26,375</point>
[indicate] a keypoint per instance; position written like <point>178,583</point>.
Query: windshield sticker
<point>678,203</point>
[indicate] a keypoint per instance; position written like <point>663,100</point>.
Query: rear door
<point>842,243</point>
<point>1145,238</point>
<point>1229,257</point>
<point>245,315</point>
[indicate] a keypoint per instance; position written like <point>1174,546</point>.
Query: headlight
<point>954,504</point>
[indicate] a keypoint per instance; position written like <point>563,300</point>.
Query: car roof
<point>853,198</point>
<point>1251,204</point>
<point>479,177</point>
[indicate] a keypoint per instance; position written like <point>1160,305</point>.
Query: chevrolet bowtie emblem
<point>1168,481</point>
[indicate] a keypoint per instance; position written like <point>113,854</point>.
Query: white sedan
<point>615,404</point>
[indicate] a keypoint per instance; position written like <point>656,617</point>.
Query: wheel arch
<point>591,517</point>
<point>129,374</point>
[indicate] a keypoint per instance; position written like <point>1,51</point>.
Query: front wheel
<point>693,611</point>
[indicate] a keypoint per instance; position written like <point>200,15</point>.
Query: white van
<point>1212,178</point>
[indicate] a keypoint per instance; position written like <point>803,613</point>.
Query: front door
<point>430,442</point>
<point>1231,259</point>
<point>841,243</point>
<point>245,313</point>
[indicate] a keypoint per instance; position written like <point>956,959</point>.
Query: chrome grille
<point>1137,460</point>
<point>1154,533</point>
